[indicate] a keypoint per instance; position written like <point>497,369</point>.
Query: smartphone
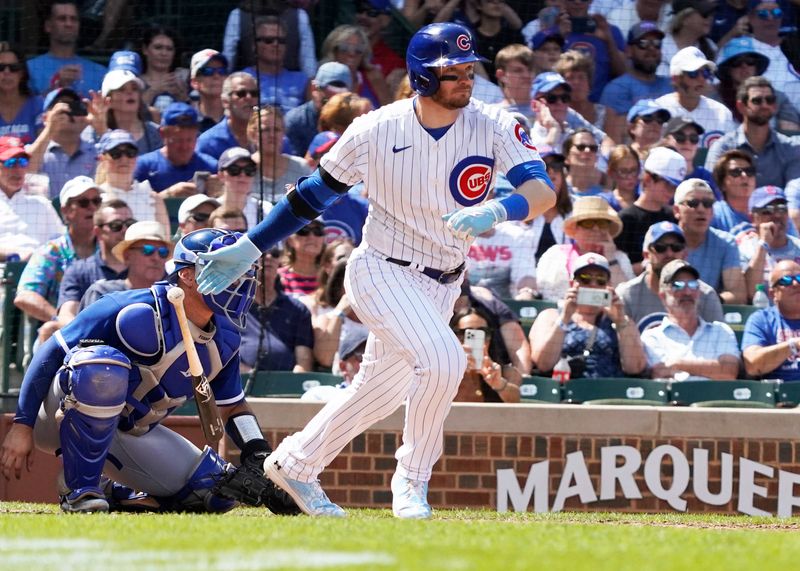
<point>584,25</point>
<point>77,109</point>
<point>475,339</point>
<point>592,296</point>
<point>548,17</point>
<point>200,178</point>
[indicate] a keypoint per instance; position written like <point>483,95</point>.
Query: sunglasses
<point>200,216</point>
<point>705,72</point>
<point>552,98</point>
<point>208,71</point>
<point>85,202</point>
<point>236,170</point>
<point>149,250</point>
<point>644,44</point>
<point>648,119</point>
<point>586,280</point>
<point>772,209</point>
<point>680,285</point>
<point>583,147</point>
<point>460,332</point>
<point>681,138</point>
<point>118,152</point>
<point>348,49</point>
<point>20,162</point>
<point>773,14</point>
<point>767,99</point>
<point>739,171</point>
<point>117,225</point>
<point>599,224</point>
<point>315,230</point>
<point>746,60</point>
<point>786,281</point>
<point>271,40</point>
<point>242,93</point>
<point>12,67</point>
<point>674,246</point>
<point>370,13</point>
<point>626,172</point>
<point>695,202</point>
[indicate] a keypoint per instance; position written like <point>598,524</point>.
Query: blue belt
<point>441,276</point>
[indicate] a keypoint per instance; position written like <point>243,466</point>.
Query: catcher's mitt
<point>248,485</point>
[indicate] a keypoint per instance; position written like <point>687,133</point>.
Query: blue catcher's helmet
<point>234,302</point>
<point>437,45</point>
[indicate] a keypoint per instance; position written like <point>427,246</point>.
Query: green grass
<point>36,536</point>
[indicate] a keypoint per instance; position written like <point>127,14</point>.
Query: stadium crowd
<point>670,130</point>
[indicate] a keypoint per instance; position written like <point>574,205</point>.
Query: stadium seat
<point>736,315</point>
<point>173,204</point>
<point>12,345</point>
<point>788,394</point>
<point>540,389</point>
<point>734,394</point>
<point>621,391</point>
<point>528,310</point>
<point>286,384</point>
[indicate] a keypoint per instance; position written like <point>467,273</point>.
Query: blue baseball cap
<point>737,47</point>
<point>547,82</point>
<point>643,28</point>
<point>334,75</point>
<point>355,338</point>
<point>179,114</point>
<point>548,35</point>
<point>764,195</point>
<point>50,98</point>
<point>659,230</point>
<point>127,60</point>
<point>115,138</point>
<point>645,107</point>
<point>321,143</point>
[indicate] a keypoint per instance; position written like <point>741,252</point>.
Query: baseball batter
<point>428,164</point>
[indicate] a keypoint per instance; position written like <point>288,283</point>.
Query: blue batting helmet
<point>437,45</point>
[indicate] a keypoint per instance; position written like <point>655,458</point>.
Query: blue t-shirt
<point>301,126</point>
<point>216,140</point>
<point>82,274</point>
<point>603,359</point>
<point>622,92</point>
<point>286,324</point>
<point>287,89</point>
<point>767,327</point>
<point>597,50</point>
<point>43,69</point>
<point>27,123</point>
<point>161,174</point>
<point>717,253</point>
<point>345,218</point>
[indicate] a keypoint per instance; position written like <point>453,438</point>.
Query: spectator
<point>689,27</point>
<point>713,252</point>
<point>303,254</point>
<point>498,26</point>
<point>27,220</point>
<point>239,95</point>
<point>374,17</point>
<point>319,303</point>
<point>578,69</point>
<point>583,176</point>
<point>301,122</point>
<point>547,46</point>
<point>777,156</point>
<point>664,169</point>
<point>58,151</point>
<point>627,15</point>
<point>770,345</point>
<point>278,85</point>
<point>351,353</point>
<point>598,341</point>
<point>502,261</point>
<point>21,108</point>
<point>195,212</point>
<point>209,68</point>
<point>645,121</point>
<point>765,23</point>
<point>731,20</point>
<point>638,82</point>
<point>350,45</point>
<point>684,346</point>
<point>663,243</point>
<point>164,83</point>
<point>228,219</point>
<point>61,66</point>
<point>683,134</point>
<point>592,227</point>
<point>690,71</point>
<point>117,159</point>
<point>144,251</point>
<point>334,117</point>
<point>111,221</point>
<point>170,169</point>
<point>768,243</point>
<point>37,292</point>
<point>489,380</point>
<point>735,173</point>
<point>514,69</point>
<point>265,131</point>
<point>237,170</point>
<point>119,106</point>
<point>624,168</point>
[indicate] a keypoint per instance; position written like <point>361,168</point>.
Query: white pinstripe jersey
<point>412,180</point>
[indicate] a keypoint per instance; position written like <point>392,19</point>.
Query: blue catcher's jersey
<point>143,325</point>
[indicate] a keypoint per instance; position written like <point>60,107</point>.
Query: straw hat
<point>592,208</point>
<point>142,230</point>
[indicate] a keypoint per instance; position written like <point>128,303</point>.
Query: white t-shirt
<point>27,221</point>
<point>139,198</point>
<point>501,260</point>
<point>780,73</point>
<point>712,115</point>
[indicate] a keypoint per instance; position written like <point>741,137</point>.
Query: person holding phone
<point>485,379</point>
<point>591,329</point>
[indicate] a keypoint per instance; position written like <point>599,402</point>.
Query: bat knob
<point>175,295</point>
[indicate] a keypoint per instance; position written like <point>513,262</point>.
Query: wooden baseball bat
<point>210,419</point>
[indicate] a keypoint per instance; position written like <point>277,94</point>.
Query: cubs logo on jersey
<point>470,180</point>
<point>522,137</point>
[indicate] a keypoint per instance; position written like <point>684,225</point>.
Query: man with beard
<point>639,82</point>
<point>663,243</point>
<point>239,95</point>
<point>428,164</point>
<point>776,155</point>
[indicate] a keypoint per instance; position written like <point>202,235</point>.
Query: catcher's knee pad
<point>197,494</point>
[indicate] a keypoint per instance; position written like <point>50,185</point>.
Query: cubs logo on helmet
<point>471,179</point>
<point>464,42</point>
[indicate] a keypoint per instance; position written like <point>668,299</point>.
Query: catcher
<point>97,391</point>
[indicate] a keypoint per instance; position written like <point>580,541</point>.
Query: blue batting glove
<point>224,266</point>
<point>475,220</point>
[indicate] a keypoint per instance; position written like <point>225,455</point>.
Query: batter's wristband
<point>516,207</point>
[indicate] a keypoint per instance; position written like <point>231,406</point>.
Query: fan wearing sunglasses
<point>209,68</point>
<point>583,177</point>
<point>663,242</point>
<point>304,251</point>
<point>645,121</point>
<point>766,20</point>
<point>684,134</point>
<point>195,212</point>
<point>239,96</point>
<point>735,173</point>
<point>684,346</point>
<point>21,108</point>
<point>237,171</point>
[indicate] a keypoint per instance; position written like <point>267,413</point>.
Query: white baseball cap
<point>689,59</point>
<point>691,185</point>
<point>189,204</point>
<point>202,57</point>
<point>75,187</point>
<point>667,164</point>
<point>117,78</point>
<point>591,260</point>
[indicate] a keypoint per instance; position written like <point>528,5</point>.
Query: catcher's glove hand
<point>248,485</point>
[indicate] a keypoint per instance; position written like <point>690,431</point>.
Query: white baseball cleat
<point>410,498</point>
<point>310,497</point>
